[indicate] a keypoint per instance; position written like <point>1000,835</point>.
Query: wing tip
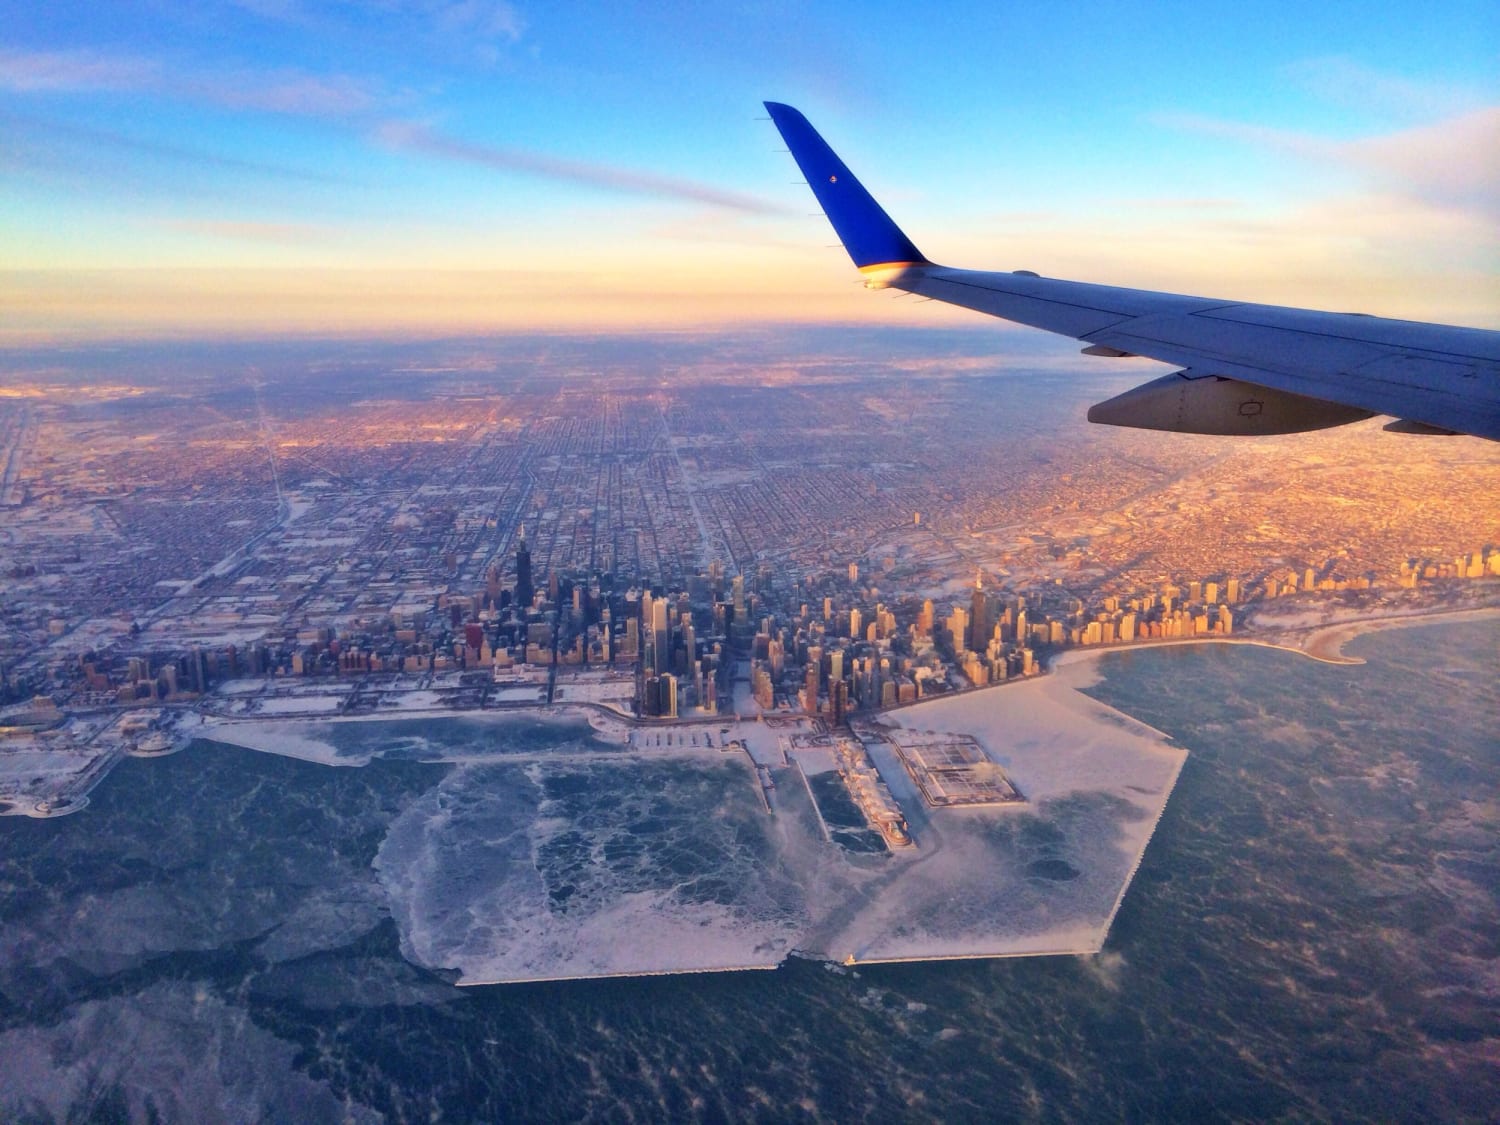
<point>870,236</point>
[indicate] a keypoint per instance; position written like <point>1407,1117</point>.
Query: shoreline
<point>1327,641</point>
<point>1323,643</point>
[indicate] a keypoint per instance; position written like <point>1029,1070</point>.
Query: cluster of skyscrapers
<point>685,648</point>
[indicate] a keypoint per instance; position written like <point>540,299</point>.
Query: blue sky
<point>442,165</point>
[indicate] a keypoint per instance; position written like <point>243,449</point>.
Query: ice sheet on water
<point>1038,880</point>
<point>448,737</point>
<point>329,917</point>
<point>197,853</point>
<point>190,1056</point>
<point>117,929</point>
<point>338,980</point>
<point>588,868</point>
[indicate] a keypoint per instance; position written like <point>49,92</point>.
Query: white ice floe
<point>586,857</point>
<point>1053,740</point>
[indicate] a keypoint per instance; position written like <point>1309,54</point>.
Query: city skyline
<point>432,168</point>
<point>316,504</point>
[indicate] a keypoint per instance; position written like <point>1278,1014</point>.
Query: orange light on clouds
<point>47,306</point>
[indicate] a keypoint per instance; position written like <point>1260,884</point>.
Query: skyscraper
<point>661,639</point>
<point>525,591</point>
<point>978,616</point>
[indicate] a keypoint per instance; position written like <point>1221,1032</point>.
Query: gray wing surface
<point>1447,377</point>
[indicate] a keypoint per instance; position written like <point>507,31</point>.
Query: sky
<point>412,167</point>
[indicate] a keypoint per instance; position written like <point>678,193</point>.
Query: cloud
<point>240,230</point>
<point>490,19</point>
<point>1377,252</point>
<point>283,11</point>
<point>1263,136</point>
<point>483,28</point>
<point>1454,162</point>
<point>1179,204</point>
<point>286,92</point>
<point>46,142</point>
<point>413,137</point>
<point>1344,81</point>
<point>30,72</point>
<point>283,91</point>
<point>52,305</point>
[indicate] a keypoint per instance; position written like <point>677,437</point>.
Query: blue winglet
<point>866,231</point>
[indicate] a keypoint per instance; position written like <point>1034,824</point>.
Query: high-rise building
<point>838,700</point>
<point>810,690</point>
<point>661,640</point>
<point>958,628</point>
<point>761,686</point>
<point>978,616</point>
<point>525,591</point>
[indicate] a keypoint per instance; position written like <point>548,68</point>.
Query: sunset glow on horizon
<point>288,167</point>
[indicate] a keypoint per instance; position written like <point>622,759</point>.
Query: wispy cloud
<point>413,137</point>
<point>1453,162</point>
<point>1345,81</point>
<point>488,19</point>
<point>285,92</point>
<point>31,72</point>
<point>44,142</point>
<point>481,28</point>
<point>1379,252</point>
<point>1178,204</point>
<point>282,11</point>
<point>279,91</point>
<point>1264,136</point>
<point>240,230</point>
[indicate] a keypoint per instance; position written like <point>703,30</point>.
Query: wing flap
<point>1451,392</point>
<point>1448,377</point>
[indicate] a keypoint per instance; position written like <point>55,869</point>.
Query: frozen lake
<point>548,852</point>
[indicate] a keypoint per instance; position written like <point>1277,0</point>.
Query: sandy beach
<point>1321,642</point>
<point>1328,643</point>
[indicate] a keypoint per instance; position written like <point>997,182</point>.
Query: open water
<point>1314,934</point>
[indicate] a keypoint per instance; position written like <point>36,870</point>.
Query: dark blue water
<point>1314,933</point>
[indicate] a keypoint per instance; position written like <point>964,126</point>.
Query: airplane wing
<point>1245,368</point>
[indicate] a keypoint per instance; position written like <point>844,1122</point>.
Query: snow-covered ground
<point>1053,740</point>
